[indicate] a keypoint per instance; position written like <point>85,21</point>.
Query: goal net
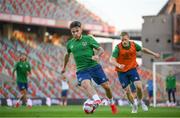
<point>160,72</point>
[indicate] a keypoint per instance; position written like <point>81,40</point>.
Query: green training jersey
<point>170,82</point>
<point>115,53</point>
<point>82,50</point>
<point>22,69</point>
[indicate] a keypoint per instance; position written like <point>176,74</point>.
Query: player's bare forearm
<point>66,59</point>
<point>115,63</point>
<point>145,50</point>
<point>100,51</point>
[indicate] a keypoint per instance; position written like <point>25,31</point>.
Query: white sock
<point>95,97</point>
<point>136,101</point>
<point>18,101</point>
<point>88,100</point>
<point>29,102</point>
<point>141,101</point>
<point>111,101</point>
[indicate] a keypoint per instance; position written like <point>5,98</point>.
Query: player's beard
<point>23,59</point>
<point>125,44</point>
<point>77,36</point>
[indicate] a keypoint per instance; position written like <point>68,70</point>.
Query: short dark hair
<point>23,54</point>
<point>75,24</point>
<point>124,33</point>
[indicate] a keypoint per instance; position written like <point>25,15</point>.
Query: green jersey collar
<point>78,39</point>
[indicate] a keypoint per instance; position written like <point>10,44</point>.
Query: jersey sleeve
<point>115,53</point>
<point>93,42</point>
<point>138,47</point>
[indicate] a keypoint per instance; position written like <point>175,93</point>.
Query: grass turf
<point>76,111</point>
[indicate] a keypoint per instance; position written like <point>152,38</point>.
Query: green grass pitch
<point>77,112</point>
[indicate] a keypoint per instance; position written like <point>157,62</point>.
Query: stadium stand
<point>46,60</point>
<point>53,9</point>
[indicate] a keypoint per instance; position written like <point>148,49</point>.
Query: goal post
<point>156,71</point>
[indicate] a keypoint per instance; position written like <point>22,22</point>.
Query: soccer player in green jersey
<point>23,69</point>
<point>82,47</point>
<point>171,87</point>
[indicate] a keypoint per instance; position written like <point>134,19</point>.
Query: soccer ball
<point>88,107</point>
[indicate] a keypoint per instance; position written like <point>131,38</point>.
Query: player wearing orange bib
<point>124,58</point>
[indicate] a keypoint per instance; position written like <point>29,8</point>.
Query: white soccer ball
<point>88,107</point>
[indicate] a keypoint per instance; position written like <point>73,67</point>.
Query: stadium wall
<point>157,35</point>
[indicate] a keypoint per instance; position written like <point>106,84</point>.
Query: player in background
<point>23,69</point>
<point>171,88</point>
<point>149,87</point>
<point>82,47</point>
<point>124,59</point>
<point>64,92</point>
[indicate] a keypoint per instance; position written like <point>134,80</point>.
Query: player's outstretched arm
<point>66,59</point>
<point>113,61</point>
<point>145,50</point>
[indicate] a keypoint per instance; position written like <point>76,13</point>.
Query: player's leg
<point>62,97</point>
<point>174,97</point>
<point>169,95</point>
<point>134,77</point>
<point>140,95</point>
<point>22,98</point>
<point>129,95</point>
<point>108,91</point>
<point>65,98</point>
<point>100,78</point>
<point>131,99</point>
<point>124,80</point>
<point>138,85</point>
<point>150,95</point>
<point>84,80</point>
<point>133,91</point>
<point>86,84</point>
<point>24,92</point>
<point>21,88</point>
<point>19,99</point>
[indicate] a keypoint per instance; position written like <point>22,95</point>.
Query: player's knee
<point>85,85</point>
<point>22,92</point>
<point>106,87</point>
<point>127,90</point>
<point>139,88</point>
